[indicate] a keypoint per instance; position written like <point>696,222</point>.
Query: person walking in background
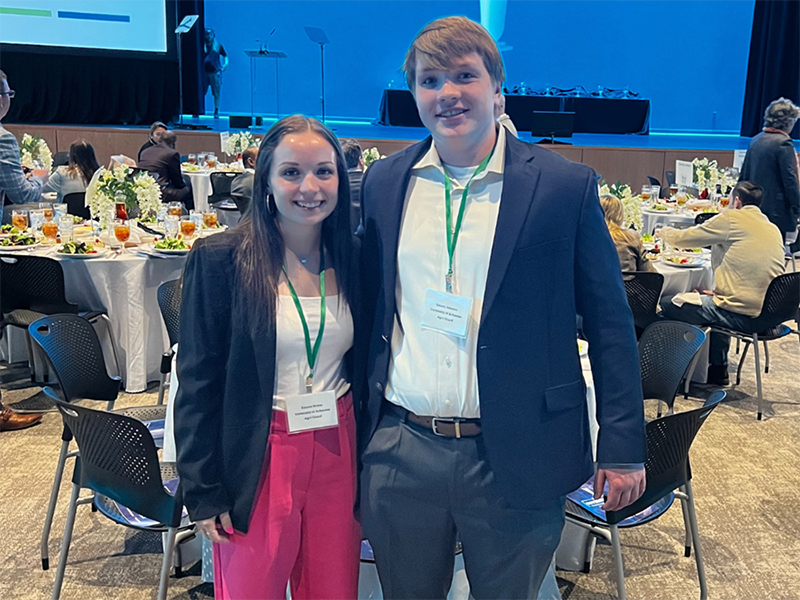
<point>771,162</point>
<point>74,177</point>
<point>355,172</point>
<point>268,321</point>
<point>214,63</point>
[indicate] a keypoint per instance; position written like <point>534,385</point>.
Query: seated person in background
<point>156,129</point>
<point>355,172</point>
<point>164,163</point>
<point>628,243</point>
<point>242,185</point>
<point>77,174</point>
<point>746,254</point>
<point>15,187</point>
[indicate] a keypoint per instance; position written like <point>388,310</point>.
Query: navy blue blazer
<point>552,259</point>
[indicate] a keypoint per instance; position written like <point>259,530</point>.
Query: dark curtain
<point>774,66</point>
<point>193,53</point>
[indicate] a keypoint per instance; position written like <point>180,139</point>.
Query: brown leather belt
<point>451,427</point>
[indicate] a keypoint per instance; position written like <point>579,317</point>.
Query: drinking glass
<point>193,159</point>
<point>201,159</point>
<point>37,218</point>
<point>724,201</point>
<point>646,193</point>
<point>673,189</point>
<point>175,208</point>
<point>122,231</point>
<point>61,209</point>
<point>655,192</point>
<point>680,196</point>
<point>211,161</point>
<point>162,214</point>
<point>188,226</point>
<point>19,219</point>
<point>66,226</point>
<point>49,213</point>
<point>120,211</point>
<point>197,217</point>
<point>50,231</point>
<point>210,218</point>
<point>172,224</point>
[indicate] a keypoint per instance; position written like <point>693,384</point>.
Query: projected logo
<point>493,17</point>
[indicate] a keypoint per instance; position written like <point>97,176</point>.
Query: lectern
<point>255,55</point>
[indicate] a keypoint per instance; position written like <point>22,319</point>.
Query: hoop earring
<point>271,204</point>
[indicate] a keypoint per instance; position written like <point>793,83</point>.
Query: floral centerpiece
<point>631,205</point>
<point>239,142</point>
<point>370,155</point>
<point>140,193</point>
<point>34,153</point>
<point>706,173</point>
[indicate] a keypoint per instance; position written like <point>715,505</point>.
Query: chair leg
<point>738,342</point>
<point>758,373</point>
<point>741,363</point>
<point>698,550</point>
<point>766,357</point>
<point>162,383</point>
<point>51,507</point>
<point>166,562</point>
<point>31,359</point>
<point>113,342</point>
<point>65,542</point>
<point>619,567</point>
<point>687,529</point>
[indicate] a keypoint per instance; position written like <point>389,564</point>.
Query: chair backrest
<point>667,466</point>
<point>73,349</point>
<point>221,185</point>
<point>653,181</point>
<point>666,350</point>
<point>780,302</point>
<point>76,205</point>
<point>643,290</point>
<point>701,218</point>
<point>670,177</point>
<point>34,283</point>
<point>60,159</point>
<point>169,301</point>
<point>118,459</point>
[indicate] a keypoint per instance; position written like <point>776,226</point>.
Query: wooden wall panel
<point>47,133</point>
<point>631,166</point>
<point>569,152</point>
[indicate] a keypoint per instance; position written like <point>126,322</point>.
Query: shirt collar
<point>431,158</point>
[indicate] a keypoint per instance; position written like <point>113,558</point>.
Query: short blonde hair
<point>615,217</point>
<point>442,41</point>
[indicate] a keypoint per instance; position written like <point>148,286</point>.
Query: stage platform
<point>626,158</point>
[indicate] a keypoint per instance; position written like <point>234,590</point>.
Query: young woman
<point>264,419</point>
<point>75,176</point>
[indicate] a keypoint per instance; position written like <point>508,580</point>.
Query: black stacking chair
<point>701,218</point>
<point>118,461</point>
<point>670,177</point>
<point>643,290</point>
<point>76,205</point>
<point>169,301</point>
<point>60,159</point>
<point>780,305</point>
<point>667,470</point>
<point>221,186</point>
<point>74,352</point>
<point>666,351</point>
<point>33,286</point>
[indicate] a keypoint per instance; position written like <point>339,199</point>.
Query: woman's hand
<point>219,533</point>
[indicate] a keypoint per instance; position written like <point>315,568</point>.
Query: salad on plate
<point>16,240</point>
<point>77,249</point>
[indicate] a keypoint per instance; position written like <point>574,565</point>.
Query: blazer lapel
<point>520,177</point>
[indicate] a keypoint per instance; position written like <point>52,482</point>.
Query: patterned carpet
<point>746,482</point>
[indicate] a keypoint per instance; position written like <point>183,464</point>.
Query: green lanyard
<point>452,232</point>
<point>311,353</point>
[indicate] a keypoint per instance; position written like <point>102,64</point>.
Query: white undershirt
<point>434,374</point>
<point>291,364</point>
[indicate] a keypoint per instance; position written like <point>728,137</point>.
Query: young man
<point>242,185</point>
<point>215,62</point>
<point>163,161</point>
<point>355,172</point>
<point>479,250</point>
<point>747,254</point>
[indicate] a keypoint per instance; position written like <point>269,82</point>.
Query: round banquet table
<point>125,287</point>
<point>652,218</point>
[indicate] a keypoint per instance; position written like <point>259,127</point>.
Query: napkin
<point>698,204</point>
<point>687,298</point>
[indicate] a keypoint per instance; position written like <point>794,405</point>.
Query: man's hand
<point>625,486</point>
<point>219,533</point>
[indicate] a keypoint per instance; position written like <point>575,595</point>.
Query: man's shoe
<point>216,114</point>
<point>718,375</point>
<point>11,421</point>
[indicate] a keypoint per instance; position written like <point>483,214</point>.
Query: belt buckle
<point>455,421</point>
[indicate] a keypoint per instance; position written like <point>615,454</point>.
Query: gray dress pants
<point>421,492</point>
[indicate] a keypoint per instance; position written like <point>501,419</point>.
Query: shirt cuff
<point>621,466</point>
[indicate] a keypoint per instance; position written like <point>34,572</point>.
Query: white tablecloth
<point>125,287</point>
<point>201,188</point>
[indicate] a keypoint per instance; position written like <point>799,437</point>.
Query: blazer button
<point>379,386</point>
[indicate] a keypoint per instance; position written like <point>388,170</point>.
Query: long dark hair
<point>260,255</point>
<point>82,160</point>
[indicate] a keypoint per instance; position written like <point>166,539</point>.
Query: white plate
<point>691,263</point>
<point>98,254</point>
<point>669,211</point>
<point>152,248</point>
<point>704,253</point>
<point>17,248</point>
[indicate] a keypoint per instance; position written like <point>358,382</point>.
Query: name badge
<point>446,313</point>
<point>311,411</point>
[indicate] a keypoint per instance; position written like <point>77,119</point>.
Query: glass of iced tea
<point>49,212</point>
<point>211,161</point>
<point>175,208</point>
<point>50,231</point>
<point>210,218</point>
<point>193,159</point>
<point>646,193</point>
<point>122,231</point>
<point>188,226</point>
<point>19,219</point>
<point>724,201</point>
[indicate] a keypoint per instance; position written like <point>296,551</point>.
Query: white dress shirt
<point>431,373</point>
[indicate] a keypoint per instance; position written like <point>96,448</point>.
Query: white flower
<point>103,191</point>
<point>239,142</point>
<point>370,155</point>
<point>34,153</point>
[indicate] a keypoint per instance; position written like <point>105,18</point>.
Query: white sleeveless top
<point>291,366</point>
